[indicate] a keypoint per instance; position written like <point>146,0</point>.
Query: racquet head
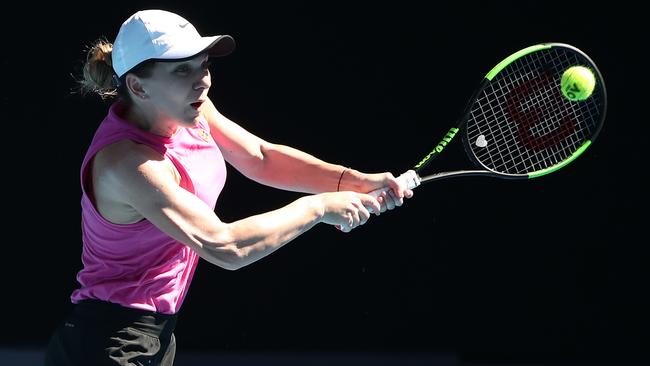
<point>520,125</point>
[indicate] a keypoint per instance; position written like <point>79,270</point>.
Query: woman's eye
<point>182,69</point>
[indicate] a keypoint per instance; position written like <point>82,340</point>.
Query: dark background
<point>550,269</point>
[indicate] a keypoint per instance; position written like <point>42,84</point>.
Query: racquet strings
<point>520,123</point>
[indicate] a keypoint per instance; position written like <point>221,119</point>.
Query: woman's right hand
<point>347,210</point>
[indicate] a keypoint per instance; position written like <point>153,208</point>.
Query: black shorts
<point>102,333</point>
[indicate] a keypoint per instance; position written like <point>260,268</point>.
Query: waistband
<point>115,315</point>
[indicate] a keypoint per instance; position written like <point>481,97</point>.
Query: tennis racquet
<point>518,124</point>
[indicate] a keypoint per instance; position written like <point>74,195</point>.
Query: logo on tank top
<point>204,135</point>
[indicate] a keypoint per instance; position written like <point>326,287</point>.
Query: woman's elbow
<point>229,257</point>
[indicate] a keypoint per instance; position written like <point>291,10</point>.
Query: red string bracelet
<point>338,186</point>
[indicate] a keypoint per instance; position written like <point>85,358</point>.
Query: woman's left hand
<point>368,182</point>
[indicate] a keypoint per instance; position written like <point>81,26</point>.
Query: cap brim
<point>222,46</point>
<point>215,46</point>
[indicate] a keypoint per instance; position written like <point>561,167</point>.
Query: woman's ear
<point>135,87</point>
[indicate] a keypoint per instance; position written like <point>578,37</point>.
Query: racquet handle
<point>410,178</point>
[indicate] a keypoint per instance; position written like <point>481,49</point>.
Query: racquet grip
<point>409,178</point>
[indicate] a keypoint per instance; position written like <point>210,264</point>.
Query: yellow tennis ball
<point>577,83</point>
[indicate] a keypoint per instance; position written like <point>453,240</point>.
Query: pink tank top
<point>137,265</point>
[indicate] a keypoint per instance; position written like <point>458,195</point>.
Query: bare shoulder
<point>124,172</point>
<point>126,153</point>
<point>209,110</point>
<point>213,116</point>
<point>125,158</point>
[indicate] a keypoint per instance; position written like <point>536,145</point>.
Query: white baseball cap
<point>162,35</point>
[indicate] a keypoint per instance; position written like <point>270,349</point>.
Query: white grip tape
<point>410,178</point>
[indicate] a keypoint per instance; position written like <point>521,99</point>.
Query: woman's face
<point>176,90</point>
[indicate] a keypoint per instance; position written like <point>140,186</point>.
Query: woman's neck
<point>138,118</point>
